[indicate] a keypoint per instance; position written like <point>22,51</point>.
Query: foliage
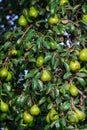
<point>19,52</point>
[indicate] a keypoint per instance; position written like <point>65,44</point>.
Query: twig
<point>72,104</point>
<point>81,93</point>
<point>26,31</point>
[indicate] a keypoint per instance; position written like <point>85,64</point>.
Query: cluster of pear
<point>75,65</point>
<point>28,16</point>
<point>4,108</point>
<point>28,117</point>
<point>52,116</point>
<point>76,116</point>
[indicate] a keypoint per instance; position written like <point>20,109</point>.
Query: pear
<point>81,114</point>
<point>4,106</point>
<point>73,117</point>
<point>48,118</point>
<point>27,118</point>
<point>73,90</point>
<point>45,77</point>
<point>53,115</point>
<point>35,110</point>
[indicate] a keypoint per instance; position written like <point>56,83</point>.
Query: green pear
<point>73,90</point>
<point>45,77</point>
<point>4,106</point>
<point>53,115</point>
<point>48,118</point>
<point>35,110</point>
<point>81,114</point>
<point>27,118</point>
<point>73,117</point>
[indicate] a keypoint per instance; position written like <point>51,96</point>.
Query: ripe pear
<point>45,77</point>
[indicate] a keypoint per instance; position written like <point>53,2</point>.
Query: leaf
<point>40,85</point>
<point>56,92</point>
<point>49,87</point>
<point>81,74</point>
<point>31,73</point>
<point>7,34</point>
<point>67,75</point>
<point>54,59</point>
<point>30,35</point>
<point>7,89</point>
<point>56,124</point>
<point>48,57</point>
<point>81,81</point>
<point>63,122</point>
<point>54,8</point>
<point>55,64</point>
<point>66,65</point>
<point>76,7</point>
<point>59,29</point>
<point>42,100</point>
<point>34,83</point>
<point>21,100</point>
<point>39,42</point>
<point>65,106</point>
<point>0,91</point>
<point>46,44</point>
<point>63,10</point>
<point>6,45</point>
<point>70,127</point>
<point>84,8</point>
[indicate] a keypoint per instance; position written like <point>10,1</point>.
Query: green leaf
<point>7,34</point>
<point>65,106</point>
<point>7,89</point>
<point>67,75</point>
<point>67,67</point>
<point>34,83</point>
<point>56,124</point>
<point>81,74</point>
<point>39,42</point>
<point>55,64</point>
<point>63,122</point>
<point>46,44</point>
<point>0,91</point>
<point>59,29</point>
<point>83,38</point>
<point>42,100</point>
<point>31,73</point>
<point>63,10</point>
<point>81,81</point>
<point>48,57</point>
<point>84,8</point>
<point>21,100</point>
<point>54,59</point>
<point>49,87</point>
<point>7,44</point>
<point>70,127</point>
<point>54,8</point>
<point>30,35</point>
<point>40,85</point>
